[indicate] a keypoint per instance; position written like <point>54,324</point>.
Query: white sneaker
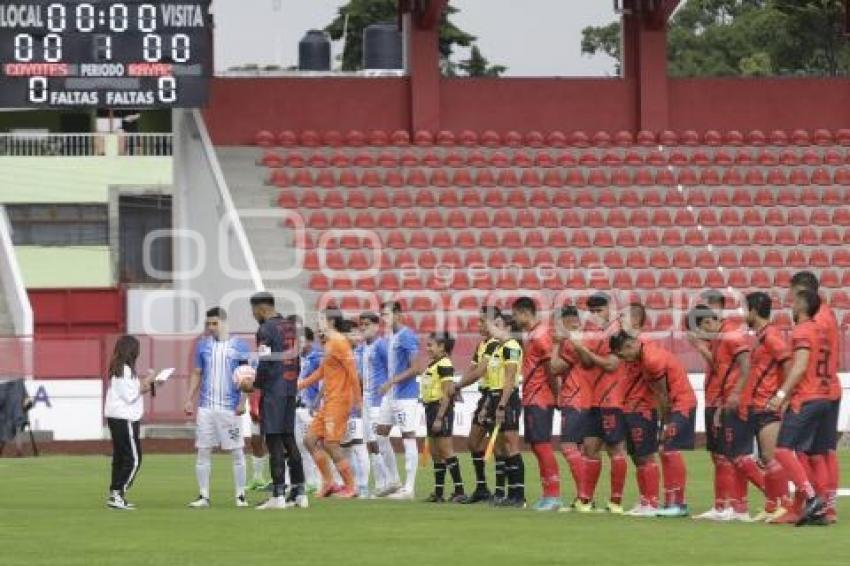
<point>272,503</point>
<point>298,502</point>
<point>742,517</point>
<point>241,501</point>
<point>389,490</point>
<point>403,494</point>
<point>715,514</point>
<point>642,511</point>
<point>200,503</point>
<point>116,501</point>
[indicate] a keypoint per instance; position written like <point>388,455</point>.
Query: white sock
<point>411,462</point>
<point>385,447</point>
<point>311,472</point>
<point>239,471</point>
<point>258,467</point>
<point>203,469</point>
<point>361,456</point>
<point>378,471</point>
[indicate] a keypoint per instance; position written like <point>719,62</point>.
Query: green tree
<point>746,37</point>
<point>478,66</point>
<point>362,13</point>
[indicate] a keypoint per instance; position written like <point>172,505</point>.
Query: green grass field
<point>52,512</point>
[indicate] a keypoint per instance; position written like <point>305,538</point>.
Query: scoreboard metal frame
<point>105,54</point>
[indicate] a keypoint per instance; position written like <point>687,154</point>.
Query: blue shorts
<point>574,423</point>
<point>760,418</point>
<point>607,424</point>
<point>800,428</point>
<point>713,438</point>
<point>641,434</point>
<point>738,435</point>
<point>538,423</point>
<point>826,437</point>
<point>680,431</point>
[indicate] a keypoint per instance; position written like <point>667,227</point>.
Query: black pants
<point>126,453</point>
<point>282,451</point>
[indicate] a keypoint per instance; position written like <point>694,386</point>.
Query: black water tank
<point>382,46</point>
<point>314,52</point>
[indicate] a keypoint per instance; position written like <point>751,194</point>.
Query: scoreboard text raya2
<point>130,54</point>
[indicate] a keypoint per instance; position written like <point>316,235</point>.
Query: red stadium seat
<point>489,239</point>
<point>739,237</point>
<point>622,280</point>
<point>645,279</point>
<point>410,219</point>
<point>554,139</point>
<point>626,239</point>
<point>696,198</point>
<point>830,237</point>
<point>649,238</point>
<point>659,260</point>
<point>512,239</point>
<point>829,278</point>
<point>819,258</point>
<point>796,258</point>
<point>705,260</point>
<point>501,219</point>
<point>719,197</point>
<point>558,239</point>
<point>841,257</point>
<point>671,237</point>
<point>589,260</point>
<point>682,259</point>
<point>396,241</point>
<point>636,260</point>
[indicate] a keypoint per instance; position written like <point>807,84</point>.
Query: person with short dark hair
<point>539,392</point>
<point>374,375</point>
<point>606,429</point>
<point>277,374</point>
<point>310,356</point>
<point>771,360</point>
<point>668,379</point>
<point>822,455</point>
<point>219,402</point>
<point>805,392</point>
<point>123,411</point>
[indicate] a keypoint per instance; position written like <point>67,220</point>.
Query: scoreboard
<point>103,54</point>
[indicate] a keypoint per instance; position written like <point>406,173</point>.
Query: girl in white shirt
<point>123,411</point>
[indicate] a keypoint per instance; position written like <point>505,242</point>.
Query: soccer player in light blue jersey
<point>310,360</point>
<point>374,375</point>
<point>219,403</point>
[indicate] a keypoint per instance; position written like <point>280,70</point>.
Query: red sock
<point>649,470</point>
<point>740,502</point>
<point>572,455</point>
<point>589,478</point>
<point>793,467</point>
<point>641,483</point>
<point>724,481</point>
<point>675,477</point>
<point>820,475</point>
<point>834,478</point>
<point>550,475</point>
<point>775,486</point>
<point>619,469</point>
<point>748,466</point>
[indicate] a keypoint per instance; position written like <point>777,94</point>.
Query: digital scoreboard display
<point>104,54</point>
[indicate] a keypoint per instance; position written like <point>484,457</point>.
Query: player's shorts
<point>513,411</point>
<point>574,423</point>
<point>799,428</point>
<point>218,427</point>
<point>370,429</point>
<point>641,433</point>
<point>760,418</point>
<point>738,435</point>
<point>403,413</point>
<point>303,418</point>
<point>607,423</point>
<point>277,414</point>
<point>826,437</point>
<point>479,407</point>
<point>680,431</point>
<point>353,431</point>
<point>431,410</point>
<point>330,423</point>
<point>538,423</point>
<point>713,438</point>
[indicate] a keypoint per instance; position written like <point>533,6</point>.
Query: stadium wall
<point>239,107</point>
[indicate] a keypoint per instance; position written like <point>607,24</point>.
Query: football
<point>243,377</point>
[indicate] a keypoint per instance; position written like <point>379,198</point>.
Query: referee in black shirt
<point>277,373</point>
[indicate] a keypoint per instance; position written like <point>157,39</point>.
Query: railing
<point>145,145</point>
<point>44,144</point>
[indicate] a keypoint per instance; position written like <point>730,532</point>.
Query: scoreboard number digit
<point>56,18</point>
<point>180,48</point>
<point>152,48</point>
<point>85,17</point>
<point>167,90</point>
<point>52,48</point>
<point>38,90</point>
<point>147,18</point>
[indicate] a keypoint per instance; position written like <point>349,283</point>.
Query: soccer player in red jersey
<point>640,414</point>
<point>723,346</point>
<point>806,393</point>
<point>575,394</point>
<point>604,372</point>
<point>771,360</point>
<point>668,378</point>
<point>539,389</point>
<point>822,455</point>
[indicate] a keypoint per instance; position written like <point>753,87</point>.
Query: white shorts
<point>249,427</point>
<point>371,432</point>
<point>353,430</point>
<point>403,413</point>
<point>303,419</point>
<point>218,427</point>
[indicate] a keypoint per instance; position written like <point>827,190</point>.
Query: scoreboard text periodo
<point>131,54</point>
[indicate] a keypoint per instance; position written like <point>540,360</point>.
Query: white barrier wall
<point>71,408</point>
